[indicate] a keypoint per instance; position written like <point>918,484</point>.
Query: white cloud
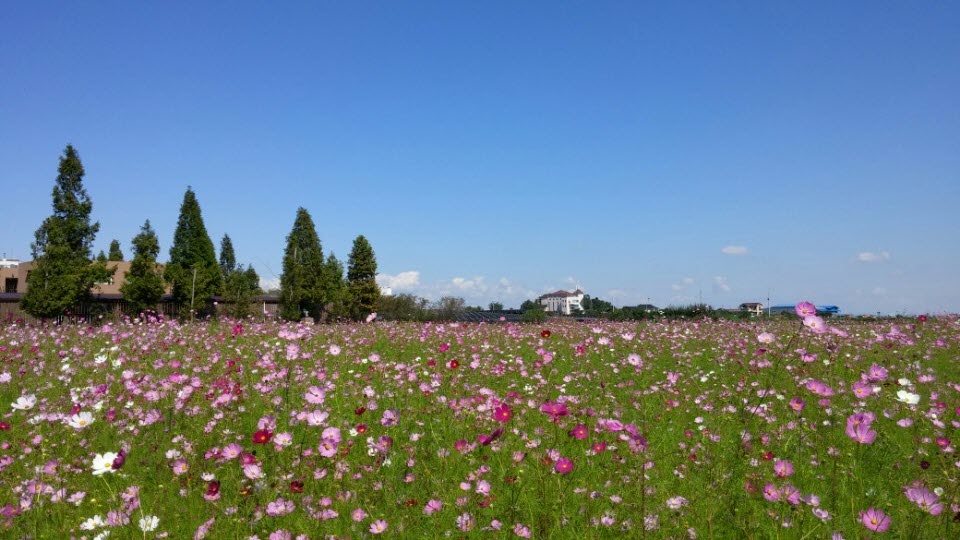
<point>734,250</point>
<point>269,284</point>
<point>473,285</point>
<point>684,283</point>
<point>871,257</point>
<point>720,284</point>
<point>404,280</point>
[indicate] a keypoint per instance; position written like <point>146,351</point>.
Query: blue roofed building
<point>822,310</point>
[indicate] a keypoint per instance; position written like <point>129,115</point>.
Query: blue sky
<point>499,150</point>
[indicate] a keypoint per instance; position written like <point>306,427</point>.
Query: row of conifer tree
<point>64,271</point>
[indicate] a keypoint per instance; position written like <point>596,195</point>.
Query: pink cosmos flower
<point>766,338</point>
<point>782,468</point>
<point>771,493</point>
<point>927,500</point>
<point>797,404</point>
<point>391,417</point>
<point>805,309</point>
<point>433,505</point>
<point>875,520</point>
<point>563,466</point>
<point>280,507</point>
<point>876,373</point>
<point>861,389</point>
<point>861,433</point>
<point>790,494</point>
<point>253,471</point>
<point>315,395</point>
<point>378,527</point>
<point>465,522</point>
<point>815,323</point>
<point>358,515</point>
<point>231,451</point>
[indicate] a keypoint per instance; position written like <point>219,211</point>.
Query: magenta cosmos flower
<point>502,413</point>
<point>554,409</point>
<point>875,520</point>
<point>563,466</point>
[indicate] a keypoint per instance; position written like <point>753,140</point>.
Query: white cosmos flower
<point>24,402</point>
<point>149,523</point>
<point>103,463</point>
<point>908,397</point>
<point>80,420</point>
<point>93,523</point>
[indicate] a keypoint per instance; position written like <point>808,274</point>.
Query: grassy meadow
<point>770,429</point>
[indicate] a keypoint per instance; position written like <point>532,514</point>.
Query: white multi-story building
<point>562,301</point>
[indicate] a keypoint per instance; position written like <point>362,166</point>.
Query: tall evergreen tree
<point>334,288</point>
<point>240,287</point>
<point>115,253</point>
<point>193,270</point>
<point>62,273</point>
<point>361,279</point>
<point>143,285</point>
<point>228,259</point>
<point>301,281</point>
<point>101,257</point>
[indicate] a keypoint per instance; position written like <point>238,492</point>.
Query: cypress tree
<point>301,281</point>
<point>193,270</point>
<point>334,288</point>
<point>62,272</point>
<point>361,279</point>
<point>239,289</point>
<point>143,286</point>
<point>101,257</point>
<point>115,253</point>
<point>228,259</point>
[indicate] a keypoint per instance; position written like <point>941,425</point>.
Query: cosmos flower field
<point>793,428</point>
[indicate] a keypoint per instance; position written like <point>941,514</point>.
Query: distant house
<point>564,302</point>
<point>648,308</point>
<point>824,310</point>
<point>755,309</point>
<point>14,278</point>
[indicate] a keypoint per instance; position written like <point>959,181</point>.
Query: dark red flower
<point>119,460</point>
<point>359,410</point>
<point>296,486</point>
<point>213,487</point>
<point>4,426</point>
<point>454,364</point>
<point>545,333</point>
<point>262,436</point>
<point>361,428</point>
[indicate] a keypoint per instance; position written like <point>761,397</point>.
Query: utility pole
<point>193,290</point>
